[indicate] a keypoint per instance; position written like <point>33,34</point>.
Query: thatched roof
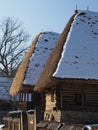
<point>74,55</point>
<point>34,61</point>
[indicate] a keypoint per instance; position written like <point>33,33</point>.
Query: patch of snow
<point>92,125</point>
<point>87,127</point>
<point>1,126</point>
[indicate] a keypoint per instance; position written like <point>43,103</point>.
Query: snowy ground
<point>2,125</point>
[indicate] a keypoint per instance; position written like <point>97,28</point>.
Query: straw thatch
<point>46,78</point>
<point>18,80</point>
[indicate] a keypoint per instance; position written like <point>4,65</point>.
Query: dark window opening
<point>78,98</point>
<point>52,97</point>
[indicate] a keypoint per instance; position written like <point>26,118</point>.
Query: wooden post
<point>24,124</point>
<point>16,124</point>
<point>35,119</point>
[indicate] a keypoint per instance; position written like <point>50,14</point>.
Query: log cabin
<point>30,70</point>
<point>69,80</point>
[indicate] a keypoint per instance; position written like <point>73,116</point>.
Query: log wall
<point>79,95</point>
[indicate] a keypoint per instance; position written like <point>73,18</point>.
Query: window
<point>78,98</point>
<point>52,97</point>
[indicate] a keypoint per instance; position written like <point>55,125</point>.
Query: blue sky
<point>43,15</point>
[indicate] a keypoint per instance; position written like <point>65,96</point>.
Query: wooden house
<point>69,79</point>
<point>30,70</point>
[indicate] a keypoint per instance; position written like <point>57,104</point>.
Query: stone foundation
<point>77,117</point>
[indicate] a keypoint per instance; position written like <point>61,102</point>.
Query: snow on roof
<point>38,59</point>
<point>80,52</point>
<point>5,84</point>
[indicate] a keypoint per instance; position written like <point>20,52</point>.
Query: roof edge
<point>19,77</point>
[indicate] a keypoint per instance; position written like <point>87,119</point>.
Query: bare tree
<point>12,45</point>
